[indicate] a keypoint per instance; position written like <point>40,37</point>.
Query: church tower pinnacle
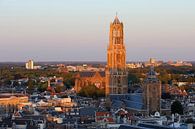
<point>116,75</point>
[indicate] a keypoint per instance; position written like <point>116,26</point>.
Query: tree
<point>30,85</point>
<point>59,88</point>
<point>42,87</point>
<point>133,78</point>
<point>69,80</point>
<point>91,91</point>
<point>176,107</point>
<point>17,76</point>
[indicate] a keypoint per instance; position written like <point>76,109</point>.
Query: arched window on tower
<point>118,79</point>
<point>115,33</point>
<point>118,58</point>
<point>118,33</point>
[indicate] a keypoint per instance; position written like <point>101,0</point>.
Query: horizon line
<point>55,61</point>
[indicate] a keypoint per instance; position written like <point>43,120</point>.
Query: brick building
<point>83,79</point>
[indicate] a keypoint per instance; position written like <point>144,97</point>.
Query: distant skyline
<point>78,30</point>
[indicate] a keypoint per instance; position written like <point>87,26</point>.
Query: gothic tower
<point>116,75</point>
<point>152,92</point>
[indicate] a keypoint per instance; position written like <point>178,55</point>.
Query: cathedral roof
<point>91,74</point>
<point>116,20</point>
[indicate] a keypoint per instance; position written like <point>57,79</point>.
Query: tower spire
<point>116,20</point>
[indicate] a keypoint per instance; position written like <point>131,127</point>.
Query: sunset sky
<point>77,30</point>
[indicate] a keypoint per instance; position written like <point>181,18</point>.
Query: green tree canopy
<point>42,87</point>
<point>176,107</point>
<point>59,88</point>
<point>133,78</point>
<point>91,91</point>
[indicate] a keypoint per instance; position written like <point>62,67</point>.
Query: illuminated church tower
<point>116,75</point>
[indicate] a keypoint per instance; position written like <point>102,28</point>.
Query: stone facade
<point>116,75</point>
<point>89,78</point>
<point>152,92</point>
<point>12,99</point>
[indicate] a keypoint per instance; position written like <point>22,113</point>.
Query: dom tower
<point>116,75</point>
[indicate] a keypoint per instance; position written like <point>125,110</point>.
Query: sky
<point>78,30</point>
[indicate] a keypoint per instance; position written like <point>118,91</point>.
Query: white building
<point>30,64</point>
